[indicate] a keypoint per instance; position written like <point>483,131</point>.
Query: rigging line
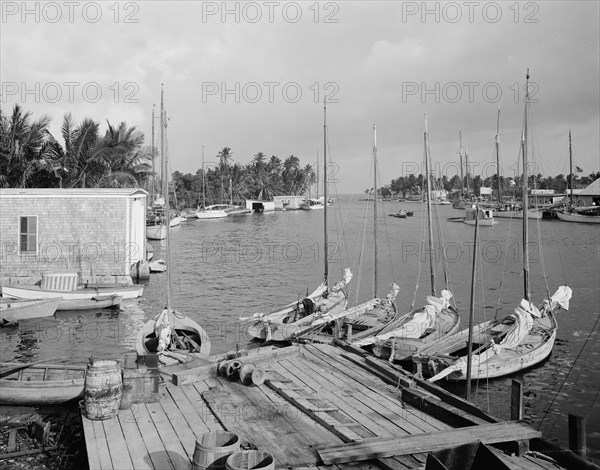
<point>573,382</point>
<point>420,260</point>
<point>541,252</point>
<point>503,269</point>
<point>569,373</point>
<point>360,255</point>
<point>560,258</point>
<point>387,234</point>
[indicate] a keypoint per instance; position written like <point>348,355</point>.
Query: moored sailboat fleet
<point>427,338</point>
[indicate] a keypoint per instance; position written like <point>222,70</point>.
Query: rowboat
<point>12,310</point>
<point>75,299</point>
<point>100,301</point>
<point>185,335</point>
<point>41,384</point>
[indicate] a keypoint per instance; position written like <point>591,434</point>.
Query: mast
<point>317,174</point>
<point>153,172</point>
<point>165,186</point>
<point>203,182</point>
<point>498,156</point>
<point>472,307</point>
<point>525,197</point>
<point>428,179</point>
<point>326,261</point>
<point>462,177</point>
<point>467,169</point>
<point>571,167</point>
<point>375,211</point>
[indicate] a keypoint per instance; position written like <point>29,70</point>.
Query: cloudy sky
<point>252,76</point>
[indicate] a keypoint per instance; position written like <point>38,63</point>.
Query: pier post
<point>516,400</point>
<point>577,438</point>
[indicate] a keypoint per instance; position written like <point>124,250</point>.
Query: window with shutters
<point>28,234</point>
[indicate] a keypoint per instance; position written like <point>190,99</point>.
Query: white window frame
<point>37,228</point>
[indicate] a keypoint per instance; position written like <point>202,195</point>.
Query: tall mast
<point>472,306</point>
<point>428,179</point>
<point>153,173</point>
<point>462,176</point>
<point>165,190</point>
<point>525,197</point>
<point>318,169</point>
<point>571,167</point>
<point>325,252</point>
<point>203,182</point>
<point>467,169</point>
<point>375,211</point>
<point>498,156</point>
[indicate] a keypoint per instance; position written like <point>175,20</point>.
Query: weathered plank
<point>119,451</point>
<point>429,442</point>
<point>90,443</point>
<point>140,457</point>
<point>103,451</point>
<point>156,449</point>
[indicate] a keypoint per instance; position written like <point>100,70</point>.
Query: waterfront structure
<point>289,203</point>
<point>95,232</point>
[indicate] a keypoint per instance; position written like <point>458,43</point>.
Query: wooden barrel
<point>213,448</point>
<point>102,389</point>
<point>250,459</point>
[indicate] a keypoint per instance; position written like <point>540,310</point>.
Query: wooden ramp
<point>315,401</point>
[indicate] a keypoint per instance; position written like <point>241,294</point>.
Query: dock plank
<point>117,445</point>
<point>103,451</point>
<point>135,443</point>
<point>157,452</point>
<point>173,446</point>
<point>182,429</point>
<point>379,396</point>
<point>429,442</point>
<point>90,443</point>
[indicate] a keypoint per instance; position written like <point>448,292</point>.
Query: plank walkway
<point>312,402</point>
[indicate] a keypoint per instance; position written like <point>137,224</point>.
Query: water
<point>224,269</point>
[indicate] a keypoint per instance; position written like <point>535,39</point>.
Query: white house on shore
<point>98,233</point>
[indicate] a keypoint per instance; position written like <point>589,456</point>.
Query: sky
<point>252,76</point>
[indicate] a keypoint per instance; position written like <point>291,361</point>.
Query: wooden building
<point>95,232</point>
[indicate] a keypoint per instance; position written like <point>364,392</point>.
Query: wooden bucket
<point>102,389</point>
<point>250,459</point>
<point>213,448</point>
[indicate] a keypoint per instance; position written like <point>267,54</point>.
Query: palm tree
<point>25,146</point>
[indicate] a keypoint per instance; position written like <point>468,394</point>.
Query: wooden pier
<point>320,407</point>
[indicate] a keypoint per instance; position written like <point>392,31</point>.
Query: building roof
<point>71,192</point>
<point>592,189</point>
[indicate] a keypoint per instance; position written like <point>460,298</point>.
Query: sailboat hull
<point>401,349</point>
<point>575,217</point>
<point>535,348</point>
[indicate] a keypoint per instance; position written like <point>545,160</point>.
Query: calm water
<point>224,269</point>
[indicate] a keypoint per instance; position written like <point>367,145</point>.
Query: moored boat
<point>14,310</point>
<point>216,211</point>
<point>586,215</point>
<point>486,216</point>
<point>500,347</point>
<point>41,384</point>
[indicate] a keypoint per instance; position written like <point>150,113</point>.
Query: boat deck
<point>310,405</point>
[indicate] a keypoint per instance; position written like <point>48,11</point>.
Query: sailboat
<point>171,330</point>
<point>508,210</point>
<point>572,213</point>
<point>215,211</point>
<point>156,229</point>
<point>508,345</point>
<point>287,322</point>
<point>402,338</point>
<point>367,318</point>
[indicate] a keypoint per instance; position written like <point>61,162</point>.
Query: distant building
<point>289,203</point>
<point>263,206</point>
<point>588,196</point>
<point>94,232</point>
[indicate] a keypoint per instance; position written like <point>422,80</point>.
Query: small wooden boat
<point>70,296</point>
<point>500,347</point>
<point>13,310</point>
<point>414,331</point>
<point>183,333</point>
<point>99,301</point>
<point>296,317</point>
<point>401,214</point>
<point>156,232</point>
<point>587,215</point>
<point>41,384</point>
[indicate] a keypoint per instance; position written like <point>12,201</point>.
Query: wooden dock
<point>321,406</point>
